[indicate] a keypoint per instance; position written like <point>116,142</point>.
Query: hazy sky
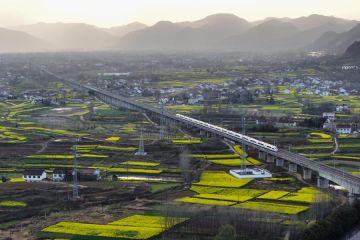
<point>118,12</point>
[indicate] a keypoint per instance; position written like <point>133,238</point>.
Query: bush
<point>227,232</point>
<point>335,225</point>
<point>265,128</point>
<point>4,179</point>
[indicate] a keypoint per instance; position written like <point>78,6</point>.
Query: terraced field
<point>221,179</point>
<point>133,227</point>
<point>272,207</point>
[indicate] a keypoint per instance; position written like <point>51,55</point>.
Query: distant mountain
<point>285,19</point>
<point>353,51</point>
<point>272,35</point>
<point>323,23</point>
<point>120,31</point>
<point>163,35</point>
<point>71,36</point>
<point>16,41</point>
<point>221,20</point>
<point>216,32</point>
<point>229,32</point>
<point>201,34</point>
<point>315,21</point>
<point>336,42</point>
<point>214,28</point>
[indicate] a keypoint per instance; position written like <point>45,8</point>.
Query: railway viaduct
<point>296,163</point>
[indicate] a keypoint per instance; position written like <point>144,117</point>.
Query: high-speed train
<point>231,133</point>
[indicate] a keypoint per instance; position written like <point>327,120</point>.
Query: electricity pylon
<point>75,180</point>
<point>141,150</point>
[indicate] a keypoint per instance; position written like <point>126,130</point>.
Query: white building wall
<point>58,177</point>
<point>34,178</point>
<point>343,130</point>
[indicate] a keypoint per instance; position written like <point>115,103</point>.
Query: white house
<point>329,115</point>
<point>343,128</point>
<point>196,99</point>
<point>58,175</point>
<point>34,175</point>
<point>342,108</point>
<point>287,91</point>
<point>329,126</point>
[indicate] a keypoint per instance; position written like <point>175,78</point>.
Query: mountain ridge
<point>17,41</point>
<point>221,31</point>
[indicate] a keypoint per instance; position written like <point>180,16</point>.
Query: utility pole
<point>162,127</point>
<point>243,147</point>
<point>141,150</point>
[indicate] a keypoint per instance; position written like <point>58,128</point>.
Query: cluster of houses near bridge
<point>332,125</point>
<point>61,175</point>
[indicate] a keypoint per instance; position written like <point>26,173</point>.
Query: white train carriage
<point>234,134</point>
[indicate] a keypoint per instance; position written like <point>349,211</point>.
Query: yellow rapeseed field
<point>320,135</point>
<point>60,156</point>
<point>272,207</point>
<point>232,162</point>
<point>239,151</point>
<point>149,221</point>
<point>12,204</point>
<point>186,141</point>
<point>306,195</point>
<point>114,231</point>
<point>112,139</point>
<point>273,195</point>
<point>141,163</point>
<point>227,191</point>
<point>221,179</point>
<point>133,227</point>
<point>134,170</point>
<point>226,197</point>
<point>205,201</point>
<point>215,156</point>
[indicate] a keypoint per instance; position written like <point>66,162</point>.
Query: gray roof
<point>33,172</point>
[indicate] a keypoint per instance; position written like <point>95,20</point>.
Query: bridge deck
<point>350,182</point>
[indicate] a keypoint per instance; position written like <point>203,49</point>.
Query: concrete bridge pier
<point>270,158</point>
<point>322,182</point>
<point>306,173</point>
<point>279,162</point>
<point>262,155</point>
<point>292,167</point>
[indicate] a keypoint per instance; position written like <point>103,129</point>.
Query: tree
<point>3,179</point>
<point>314,122</point>
<point>114,177</point>
<point>227,232</point>
<point>157,95</point>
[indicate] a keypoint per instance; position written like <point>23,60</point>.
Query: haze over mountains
<point>219,32</point>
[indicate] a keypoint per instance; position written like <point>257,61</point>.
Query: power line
<point>75,180</point>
